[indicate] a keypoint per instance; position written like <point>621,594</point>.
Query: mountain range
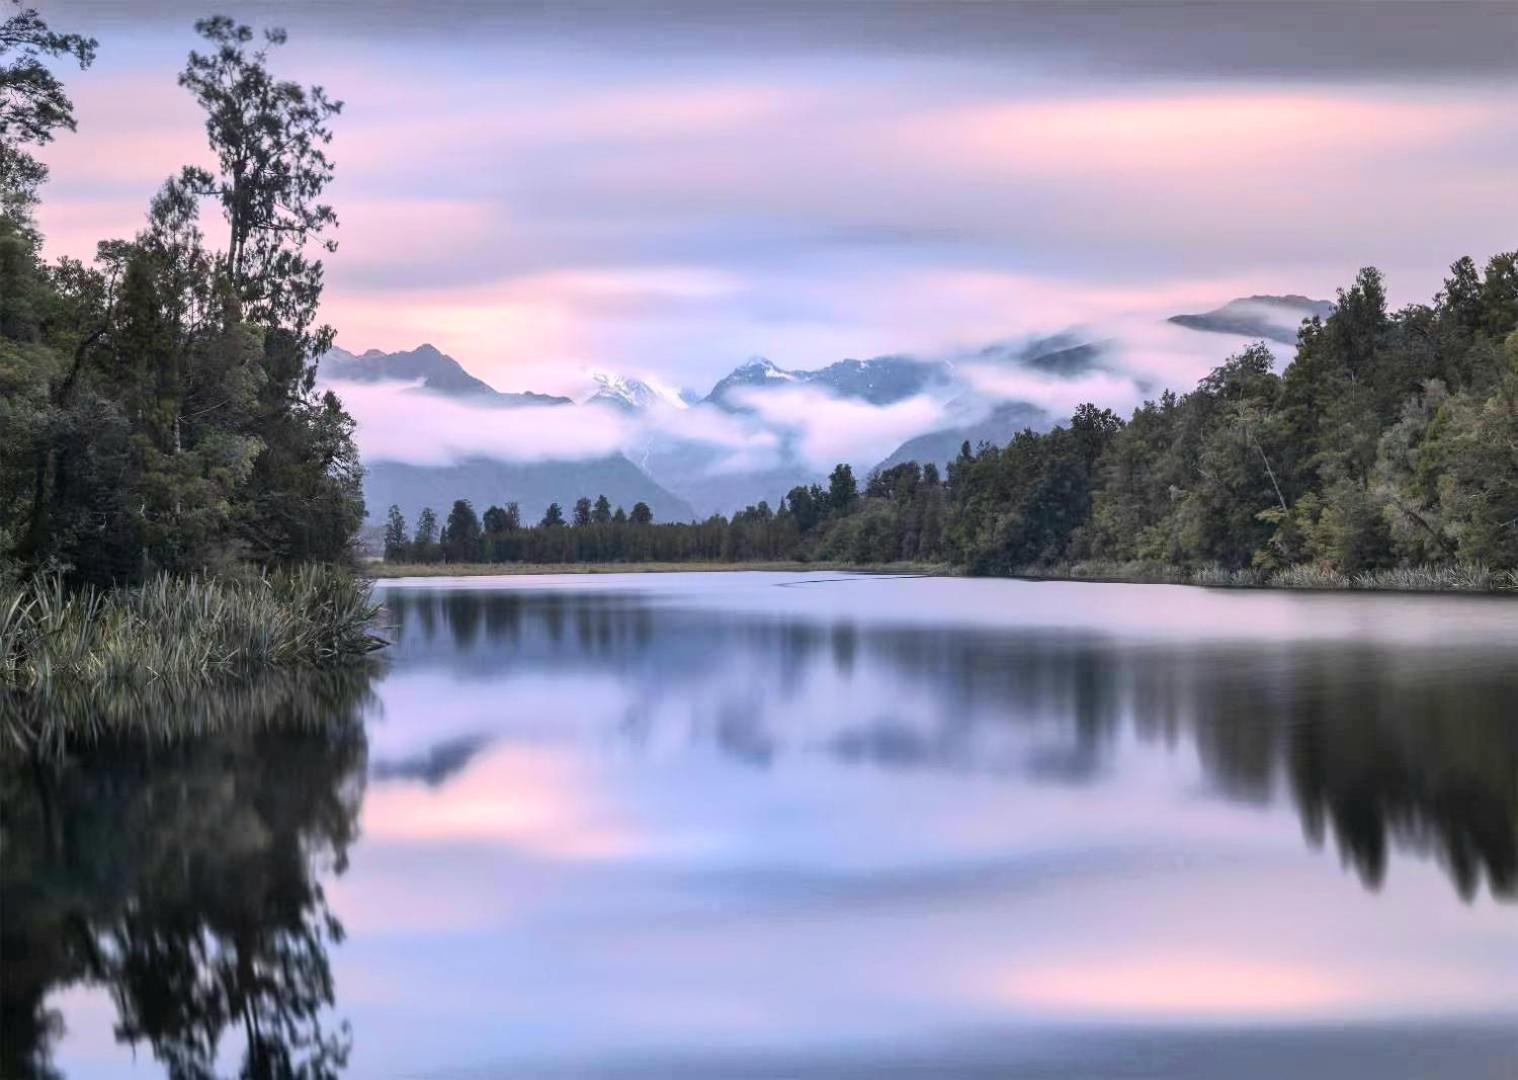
<point>683,476</point>
<point>631,395</point>
<point>882,380</point>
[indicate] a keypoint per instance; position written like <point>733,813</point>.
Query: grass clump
<point>181,630</point>
<point>1453,577</point>
<point>1447,577</point>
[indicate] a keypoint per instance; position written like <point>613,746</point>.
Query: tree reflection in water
<point>182,874</point>
<point>1383,746</point>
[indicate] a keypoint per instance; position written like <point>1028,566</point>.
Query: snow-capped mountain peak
<point>759,367</point>
<point>633,394</point>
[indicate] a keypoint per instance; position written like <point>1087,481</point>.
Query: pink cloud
<point>1180,134</point>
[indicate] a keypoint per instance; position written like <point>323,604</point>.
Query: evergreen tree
<point>842,490</point>
<point>426,529</point>
<point>808,504</point>
<point>164,416</point>
<point>641,514</point>
<point>461,533</point>
<point>582,511</point>
<point>395,535</point>
<point>269,137</point>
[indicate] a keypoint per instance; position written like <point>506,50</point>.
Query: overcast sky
<point>669,189</point>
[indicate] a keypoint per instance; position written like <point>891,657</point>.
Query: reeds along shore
<point>181,629</point>
<point>1454,577</point>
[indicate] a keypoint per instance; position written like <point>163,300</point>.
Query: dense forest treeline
<point>158,405</point>
<point>1390,440</point>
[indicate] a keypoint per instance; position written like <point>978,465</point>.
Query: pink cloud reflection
<point>1176,985</point>
<point>535,800</point>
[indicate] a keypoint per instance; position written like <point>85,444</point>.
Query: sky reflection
<point>704,813</point>
<point>771,825</point>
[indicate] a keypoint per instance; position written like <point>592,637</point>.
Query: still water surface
<point>779,825</point>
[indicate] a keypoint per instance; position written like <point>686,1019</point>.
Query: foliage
<point>33,103</point>
<point>180,630</point>
<point>159,405</point>
<point>269,136</point>
<point>461,533</point>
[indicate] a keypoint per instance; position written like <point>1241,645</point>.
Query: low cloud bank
<point>830,429</point>
<point>796,424</point>
<point>397,421</point>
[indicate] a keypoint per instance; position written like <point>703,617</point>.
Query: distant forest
<point>1390,440</point>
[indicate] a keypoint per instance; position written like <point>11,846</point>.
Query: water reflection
<point>712,826</point>
<point>183,876</point>
<point>1384,746</point>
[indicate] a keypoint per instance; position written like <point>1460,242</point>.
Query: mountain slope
<point>437,371</point>
<point>685,467</point>
<point>1274,318</point>
<point>757,372</point>
<point>631,395</point>
<point>532,485</point>
<point>882,380</point>
<point>942,446</point>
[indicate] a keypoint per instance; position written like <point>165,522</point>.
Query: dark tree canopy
<point>842,490</point>
<point>158,405</point>
<point>461,533</point>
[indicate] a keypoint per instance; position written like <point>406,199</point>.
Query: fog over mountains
<point>1272,318</point>
<point>431,432</point>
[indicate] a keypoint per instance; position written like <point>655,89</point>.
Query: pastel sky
<point>668,188</point>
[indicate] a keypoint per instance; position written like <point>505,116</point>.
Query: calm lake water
<point>806,825</point>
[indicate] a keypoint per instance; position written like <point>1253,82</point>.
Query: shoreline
<point>1470,581</point>
<point>383,572</point>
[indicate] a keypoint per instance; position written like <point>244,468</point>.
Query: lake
<point>803,825</point>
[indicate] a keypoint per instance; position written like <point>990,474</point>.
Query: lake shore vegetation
<point>181,630</point>
<point>177,498</point>
<point>384,570</point>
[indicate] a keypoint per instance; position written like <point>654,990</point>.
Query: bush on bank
<point>181,629</point>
